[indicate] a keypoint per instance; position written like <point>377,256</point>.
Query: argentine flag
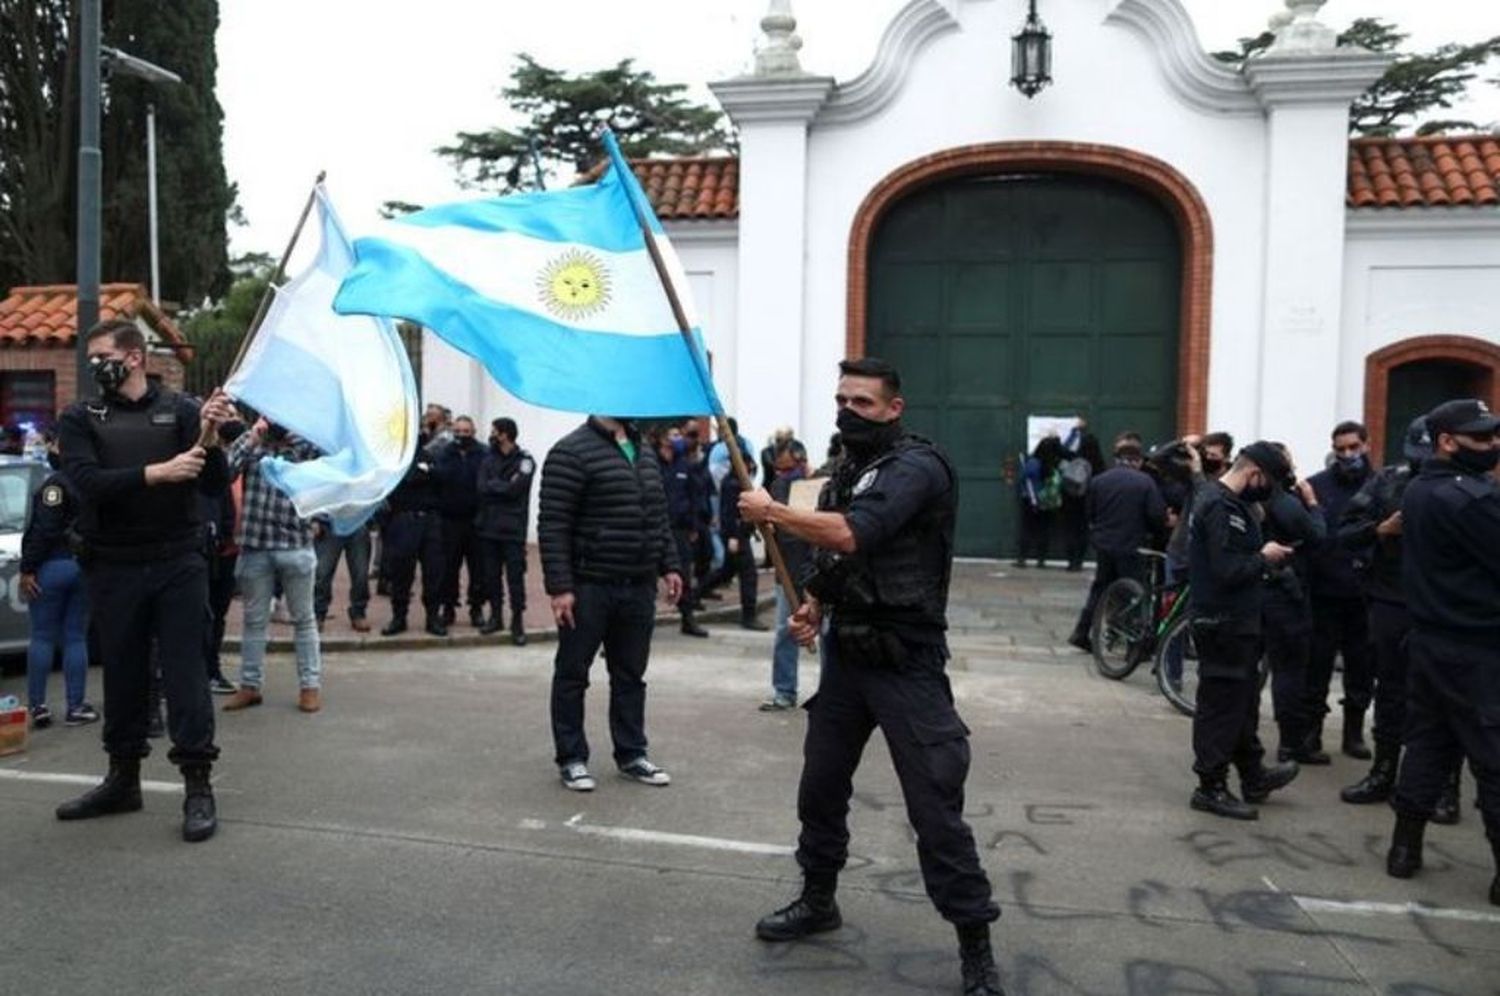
<point>343,383</point>
<point>554,292</point>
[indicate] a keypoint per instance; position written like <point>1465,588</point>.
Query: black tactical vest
<point>905,580</point>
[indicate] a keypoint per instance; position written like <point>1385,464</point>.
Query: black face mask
<point>465,442</point>
<point>1476,461</point>
<point>1257,493</point>
<point>1212,466</point>
<point>864,437</point>
<point>109,373</point>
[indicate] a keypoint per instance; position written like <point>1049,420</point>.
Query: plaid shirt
<point>268,519</point>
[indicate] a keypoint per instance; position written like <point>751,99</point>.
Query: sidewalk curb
<point>417,639</point>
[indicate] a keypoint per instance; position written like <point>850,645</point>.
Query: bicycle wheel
<point>1120,622</point>
<point>1177,667</point>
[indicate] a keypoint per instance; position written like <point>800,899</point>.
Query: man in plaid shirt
<point>276,545</point>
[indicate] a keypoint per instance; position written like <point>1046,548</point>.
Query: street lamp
<point>125,64</point>
<point>1031,56</point>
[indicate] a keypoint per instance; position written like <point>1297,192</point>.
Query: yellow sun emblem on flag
<point>575,285</point>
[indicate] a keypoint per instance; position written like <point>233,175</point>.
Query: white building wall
<point>1109,89</point>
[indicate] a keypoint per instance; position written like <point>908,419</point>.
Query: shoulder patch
<point>52,495</point>
<point>527,466</point>
<point>866,480</point>
<point>1237,523</point>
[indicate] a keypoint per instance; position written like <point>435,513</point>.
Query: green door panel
<point>1007,296</point>
<point>1417,388</point>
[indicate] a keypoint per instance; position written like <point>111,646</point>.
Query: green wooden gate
<point>1006,296</point>
<point>1419,387</point>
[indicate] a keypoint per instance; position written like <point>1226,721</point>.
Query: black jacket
<point>106,445</point>
<point>54,510</point>
<point>731,526</point>
<point>601,517</point>
<point>1450,522</point>
<point>1289,521</point>
<point>456,471</point>
<point>685,481</point>
<point>1333,574</point>
<point>418,490</point>
<point>1125,510</point>
<point>1378,558</point>
<point>1224,559</point>
<point>504,494</point>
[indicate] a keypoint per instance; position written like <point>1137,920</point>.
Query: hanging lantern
<point>1031,56</point>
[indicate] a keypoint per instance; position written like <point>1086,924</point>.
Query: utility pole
<point>89,195</point>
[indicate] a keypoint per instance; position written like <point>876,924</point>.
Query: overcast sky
<point>368,89</point>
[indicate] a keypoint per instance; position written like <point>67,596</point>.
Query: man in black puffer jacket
<point>604,540</point>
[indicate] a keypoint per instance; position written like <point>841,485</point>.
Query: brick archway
<point>1479,353</point>
<point>1151,175</point>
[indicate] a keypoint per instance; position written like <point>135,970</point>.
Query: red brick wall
<point>1151,175</point>
<point>62,361</point>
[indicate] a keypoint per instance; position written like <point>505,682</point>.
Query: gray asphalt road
<point>412,838</point>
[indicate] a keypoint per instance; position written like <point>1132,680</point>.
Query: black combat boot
<point>120,792</point>
<point>1404,859</point>
<point>1257,786</point>
<point>1449,806</point>
<point>1311,751</point>
<point>517,629</point>
<point>396,626</point>
<point>690,625</point>
<point>981,977</point>
<point>1215,797</point>
<point>1378,784</point>
<point>1354,734</point>
<point>199,817</point>
<point>748,621</point>
<point>813,912</point>
<point>438,624</point>
<point>491,626</point>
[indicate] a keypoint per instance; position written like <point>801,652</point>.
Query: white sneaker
<point>575,776</point>
<point>643,771</point>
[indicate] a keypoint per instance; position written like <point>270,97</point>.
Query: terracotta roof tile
<point>1436,171</point>
<point>697,189</point>
<point>46,315</point>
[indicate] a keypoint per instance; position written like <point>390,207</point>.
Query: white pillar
<point>1306,84</point>
<point>771,110</point>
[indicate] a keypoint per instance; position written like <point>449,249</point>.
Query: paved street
<point>413,838</point>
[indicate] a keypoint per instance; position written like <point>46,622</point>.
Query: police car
<point>19,479</point>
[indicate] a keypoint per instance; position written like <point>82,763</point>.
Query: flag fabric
<point>343,383</point>
<point>554,292</point>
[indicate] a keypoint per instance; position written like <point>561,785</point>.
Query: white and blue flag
<point>554,292</point>
<point>343,383</point>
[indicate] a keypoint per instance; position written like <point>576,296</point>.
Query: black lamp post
<point>1031,56</point>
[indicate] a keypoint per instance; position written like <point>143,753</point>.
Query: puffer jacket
<point>602,518</point>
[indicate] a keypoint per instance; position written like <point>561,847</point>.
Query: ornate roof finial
<point>1298,30</point>
<point>778,55</point>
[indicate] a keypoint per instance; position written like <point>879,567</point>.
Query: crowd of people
<point>1394,573</point>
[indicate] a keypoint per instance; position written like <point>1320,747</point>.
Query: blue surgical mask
<point>1352,464</point>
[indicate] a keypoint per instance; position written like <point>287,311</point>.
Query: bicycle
<point>1133,616</point>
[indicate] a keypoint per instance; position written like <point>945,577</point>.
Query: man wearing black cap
<point>1450,575</point>
<point>1227,558</point>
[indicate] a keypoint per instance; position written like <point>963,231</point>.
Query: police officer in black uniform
<point>412,533</point>
<point>883,536</point>
<point>1450,573</point>
<point>135,457</point>
<point>501,524</point>
<point>1228,558</point>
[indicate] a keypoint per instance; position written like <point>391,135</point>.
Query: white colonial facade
<point>1155,241</point>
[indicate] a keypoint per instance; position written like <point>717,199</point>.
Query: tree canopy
<point>38,146</point>
<point>564,114</point>
<point>1412,90</point>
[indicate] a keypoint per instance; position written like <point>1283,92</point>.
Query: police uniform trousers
<point>687,556</point>
<point>221,589</point>
<point>1452,712</point>
<point>165,602</point>
<point>460,551</point>
<point>504,563</point>
<point>928,742</point>
<point>1390,625</point>
<point>1288,644</point>
<point>1227,717</point>
<point>412,538</point>
<point>1340,627</point>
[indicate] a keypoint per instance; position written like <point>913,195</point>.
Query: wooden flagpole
<point>265,299</point>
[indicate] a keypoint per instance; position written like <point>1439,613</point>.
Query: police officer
<point>883,537</point>
<point>1450,574</point>
<point>501,523</point>
<point>686,504</point>
<point>1228,558</point>
<point>1371,528</point>
<point>455,466</point>
<point>412,534</point>
<point>135,459</point>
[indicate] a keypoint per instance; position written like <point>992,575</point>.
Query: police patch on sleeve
<point>52,496</point>
<point>866,481</point>
<point>527,466</point>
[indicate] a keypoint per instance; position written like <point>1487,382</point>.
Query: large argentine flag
<point>343,383</point>
<point>555,293</point>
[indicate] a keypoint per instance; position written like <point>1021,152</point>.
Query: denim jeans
<point>784,652</point>
<point>355,549</point>
<point>618,615</point>
<point>259,571</point>
<point>59,616</point>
